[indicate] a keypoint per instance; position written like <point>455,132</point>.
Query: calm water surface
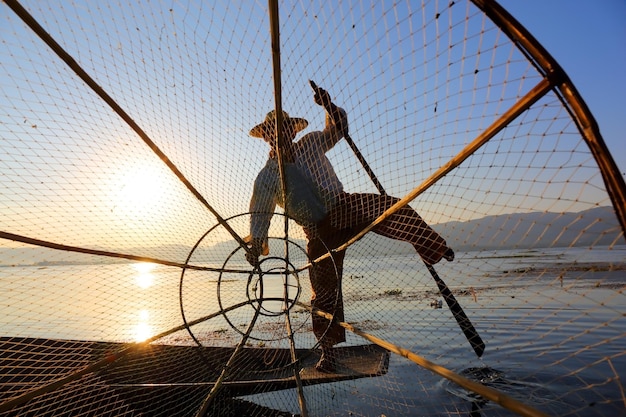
<point>554,323</point>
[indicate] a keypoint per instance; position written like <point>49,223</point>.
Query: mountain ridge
<point>597,226</point>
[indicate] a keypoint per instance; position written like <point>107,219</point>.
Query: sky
<point>205,104</point>
<point>588,40</point>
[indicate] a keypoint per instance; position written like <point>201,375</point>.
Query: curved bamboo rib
<point>569,96</point>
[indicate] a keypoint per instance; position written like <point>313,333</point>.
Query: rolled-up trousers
<point>350,214</point>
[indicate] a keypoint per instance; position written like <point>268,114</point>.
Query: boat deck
<point>163,375</point>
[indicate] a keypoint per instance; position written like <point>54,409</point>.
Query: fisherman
<point>329,216</point>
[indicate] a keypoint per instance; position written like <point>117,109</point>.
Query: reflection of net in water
<point>485,137</point>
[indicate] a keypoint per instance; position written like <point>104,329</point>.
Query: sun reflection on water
<point>143,330</point>
<point>144,277</point>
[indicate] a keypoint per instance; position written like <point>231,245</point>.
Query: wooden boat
<point>159,376</point>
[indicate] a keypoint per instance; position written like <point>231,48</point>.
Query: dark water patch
<point>500,381</point>
<point>542,391</point>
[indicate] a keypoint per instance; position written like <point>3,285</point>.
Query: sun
<point>141,187</point>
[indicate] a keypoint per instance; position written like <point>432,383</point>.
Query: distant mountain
<point>39,256</point>
<point>597,226</point>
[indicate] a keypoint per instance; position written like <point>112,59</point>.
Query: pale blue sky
<point>198,76</point>
<point>588,39</point>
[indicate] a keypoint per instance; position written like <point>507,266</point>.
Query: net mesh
<point>124,281</point>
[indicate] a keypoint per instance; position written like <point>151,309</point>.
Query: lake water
<point>554,323</point>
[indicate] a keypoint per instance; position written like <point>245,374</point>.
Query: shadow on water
<point>499,381</point>
<point>539,391</point>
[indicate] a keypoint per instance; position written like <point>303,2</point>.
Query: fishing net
<point>127,169</point>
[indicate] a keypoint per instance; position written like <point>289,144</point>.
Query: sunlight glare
<point>144,277</point>
<point>144,267</point>
<point>141,189</point>
<point>143,330</point>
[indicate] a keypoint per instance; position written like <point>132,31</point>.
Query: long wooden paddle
<point>457,311</point>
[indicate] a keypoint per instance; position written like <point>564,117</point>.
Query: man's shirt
<point>303,201</point>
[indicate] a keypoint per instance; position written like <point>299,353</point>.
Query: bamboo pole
<point>226,370</point>
<point>108,360</point>
<point>569,96</point>
<point>280,145</point>
<point>29,20</point>
<point>486,392</point>
<point>533,95</point>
